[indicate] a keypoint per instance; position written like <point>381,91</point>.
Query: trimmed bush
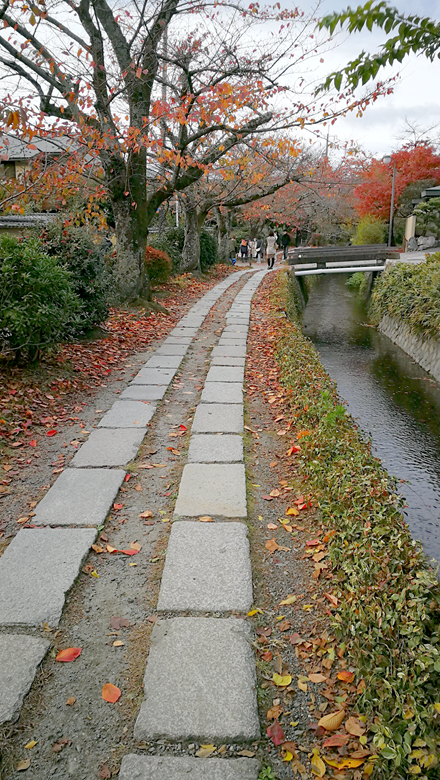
<point>90,278</point>
<point>36,298</point>
<point>410,293</point>
<point>159,265</point>
<point>370,230</point>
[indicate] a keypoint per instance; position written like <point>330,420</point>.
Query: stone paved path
<point>207,566</point>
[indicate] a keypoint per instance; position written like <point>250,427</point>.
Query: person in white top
<point>271,248</point>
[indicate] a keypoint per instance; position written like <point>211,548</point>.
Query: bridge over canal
<point>340,259</point>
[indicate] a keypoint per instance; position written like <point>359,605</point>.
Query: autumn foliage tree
<point>156,93</point>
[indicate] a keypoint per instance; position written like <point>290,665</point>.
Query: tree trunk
<point>191,246</point>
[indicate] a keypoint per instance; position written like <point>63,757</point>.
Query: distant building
<point>16,157</point>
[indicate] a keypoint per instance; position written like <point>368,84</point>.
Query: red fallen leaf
<point>267,498</point>
<point>294,448</point>
<point>33,443</point>
<point>345,676</point>
<point>337,740</point>
<point>313,543</point>
<point>267,656</point>
<point>276,733</point>
<point>117,507</point>
<point>183,427</point>
<point>51,433</point>
<point>129,552</point>
<point>110,693</point>
<point>69,654</point>
<point>284,625</point>
<point>127,477</point>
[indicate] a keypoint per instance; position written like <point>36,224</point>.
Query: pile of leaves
<point>410,293</point>
<point>42,396</point>
<point>386,600</point>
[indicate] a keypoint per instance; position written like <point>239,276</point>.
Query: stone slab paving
<point>215,448</point>
<point>128,414</point>
<point>225,374</point>
<point>207,569</point>
<point>164,361</point>
<point>137,392</point>
<point>37,570</point>
<point>109,447</point>
<point>222,393</point>
<point>228,361</point>
<point>229,351</point>
<point>212,693</point>
<point>185,768</point>
<point>234,329</point>
<point>218,418</point>
<point>154,376</point>
<point>234,341</point>
<point>19,659</point>
<point>79,497</point>
<point>178,340</point>
<point>212,489</point>
<point>189,332</point>
<point>172,349</point>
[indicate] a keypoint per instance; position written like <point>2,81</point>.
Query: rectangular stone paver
<point>239,340</point>
<point>218,418</point>
<point>189,332</point>
<point>128,414</point>
<point>222,393</point>
<point>219,360</point>
<point>215,448</point>
<point>212,489</point>
<point>79,497</point>
<point>171,349</point>
<point>37,570</point>
<point>207,569</point>
<point>225,351</point>
<point>109,447</point>
<point>135,767</point>
<point>19,659</point>
<point>234,329</point>
<point>211,694</point>
<point>225,374</point>
<point>164,361</point>
<point>144,392</point>
<point>154,376</point>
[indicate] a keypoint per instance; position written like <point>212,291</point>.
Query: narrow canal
<point>391,398</point>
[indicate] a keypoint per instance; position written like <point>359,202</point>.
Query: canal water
<point>390,396</point>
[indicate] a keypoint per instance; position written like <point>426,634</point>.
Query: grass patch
<point>388,599</point>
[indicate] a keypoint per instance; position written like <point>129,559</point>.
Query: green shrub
<point>170,242</point>
<point>36,298</point>
<point>208,250</point>
<point>159,265</point>
<point>410,293</point>
<point>357,282</point>
<point>90,276</point>
<point>370,230</point>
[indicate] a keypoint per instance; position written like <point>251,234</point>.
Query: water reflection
<point>392,398</point>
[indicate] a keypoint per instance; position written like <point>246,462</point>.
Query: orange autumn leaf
<point>338,740</point>
<point>346,676</point>
<point>292,511</point>
<point>317,678</point>
<point>110,693</point>
<point>271,545</point>
<point>354,727</point>
<point>69,654</point>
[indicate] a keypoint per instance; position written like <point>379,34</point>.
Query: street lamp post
<point>387,160</point>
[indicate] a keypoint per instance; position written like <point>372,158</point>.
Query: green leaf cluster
<point>410,293</point>
<point>389,600</point>
<point>410,33</point>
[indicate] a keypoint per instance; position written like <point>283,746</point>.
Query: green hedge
<point>410,293</point>
<point>389,601</point>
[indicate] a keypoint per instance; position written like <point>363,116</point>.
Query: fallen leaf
<point>117,507</point>
<point>51,433</point>
<point>205,751</point>
<point>206,519</point>
<point>274,493</point>
<point>119,622</point>
<point>295,639</point>
<point>264,631</point>
<point>267,656</point>
<point>317,765</point>
<point>128,552</point>
<point>111,549</point>
<point>337,740</point>
<point>118,643</point>
<point>271,545</point>
<point>60,745</point>
<point>136,546</point>
<point>333,600</point>
<point>33,443</point>
<point>292,511</point>
<point>97,548</point>
<point>290,599</point>
<point>110,693</point>
<point>345,676</point>
<point>105,773</point>
<point>267,498</point>
<point>332,721</point>
<point>302,686</point>
<point>247,753</point>
<point>31,744</point>
<point>284,625</point>
<point>274,712</point>
<point>345,763</point>
<point>317,678</point>
<point>272,527</point>
<point>147,513</point>
<point>354,727</point>
<point>69,654</point>
<point>281,680</point>
<point>276,733</point>
<point>139,488</point>
<point>23,765</point>
<point>71,701</point>
<point>255,611</point>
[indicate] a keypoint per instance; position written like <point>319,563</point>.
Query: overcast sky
<point>415,97</point>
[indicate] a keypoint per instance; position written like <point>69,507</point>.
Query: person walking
<point>260,249</point>
<point>271,249</point>
<point>253,248</point>
<point>232,251</point>
<point>285,241</point>
<point>243,249</point>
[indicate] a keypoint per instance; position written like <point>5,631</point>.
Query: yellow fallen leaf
<point>282,679</point>
<point>317,765</point>
<point>31,744</point>
<point>95,574</point>
<point>206,519</point>
<point>292,510</point>
<point>317,678</point>
<point>111,549</point>
<point>302,686</point>
<point>165,519</point>
<point>288,756</point>
<point>118,643</point>
<point>23,765</point>
<point>254,612</point>
<point>135,546</point>
<point>289,600</point>
<point>345,763</point>
<point>132,563</point>
<point>247,753</point>
<point>205,751</point>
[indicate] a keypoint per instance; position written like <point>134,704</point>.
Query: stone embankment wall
<point>425,351</point>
